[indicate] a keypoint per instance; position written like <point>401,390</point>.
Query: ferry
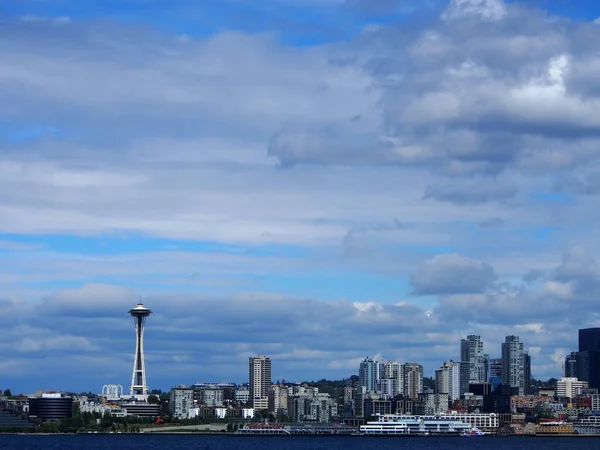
<point>473,432</point>
<point>414,426</point>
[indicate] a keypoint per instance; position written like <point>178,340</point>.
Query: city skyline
<point>315,181</point>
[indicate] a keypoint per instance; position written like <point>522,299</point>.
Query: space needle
<point>138,378</point>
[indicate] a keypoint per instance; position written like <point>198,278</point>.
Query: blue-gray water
<point>118,442</point>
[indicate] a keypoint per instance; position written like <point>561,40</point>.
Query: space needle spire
<point>138,378</point>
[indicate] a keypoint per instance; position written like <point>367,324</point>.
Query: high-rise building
<point>495,372</point>
<point>260,381</point>
<point>392,378</point>
<point>447,380</point>
<point>471,351</point>
<point>589,342</point>
<point>577,365</point>
<point>526,374</point>
<point>514,361</point>
<point>570,365</point>
<point>413,379</point>
<point>369,373</point>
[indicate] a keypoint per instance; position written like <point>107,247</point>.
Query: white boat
<point>473,432</point>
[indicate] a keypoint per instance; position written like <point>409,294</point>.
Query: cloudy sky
<point>314,180</point>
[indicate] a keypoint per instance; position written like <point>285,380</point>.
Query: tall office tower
<point>495,368</point>
<point>464,375</point>
<point>513,364</point>
<point>413,379</point>
<point>583,366</point>
<point>138,378</point>
<point>369,373</point>
<point>486,366</point>
<point>495,372</point>
<point>471,351</point>
<point>260,381</point>
<point>589,342</point>
<point>392,371</point>
<point>570,365</point>
<point>527,373</point>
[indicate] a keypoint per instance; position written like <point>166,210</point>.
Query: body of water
<point>199,442</point>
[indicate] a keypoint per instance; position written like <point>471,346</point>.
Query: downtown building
<point>516,365</point>
<point>448,380</point>
<point>260,381</point>
<point>471,352</point>
<point>369,374</point>
<point>588,357</point>
<point>413,380</point>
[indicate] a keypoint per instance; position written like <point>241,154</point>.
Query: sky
<point>314,180</point>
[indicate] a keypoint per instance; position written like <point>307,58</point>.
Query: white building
<point>447,380</point>
<point>259,369</point>
<point>392,379</point>
<point>570,387</point>
<point>482,421</point>
<point>181,401</point>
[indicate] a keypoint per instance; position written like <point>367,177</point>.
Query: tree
<point>7,393</point>
<point>153,399</point>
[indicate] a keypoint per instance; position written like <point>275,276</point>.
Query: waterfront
<point>134,442</point>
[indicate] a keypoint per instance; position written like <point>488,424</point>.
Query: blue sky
<point>363,177</point>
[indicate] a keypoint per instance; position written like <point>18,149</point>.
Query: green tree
<point>153,399</point>
<point>7,393</point>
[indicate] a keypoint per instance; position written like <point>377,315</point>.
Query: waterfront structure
<point>514,362</point>
<point>139,409</point>
<point>414,425</point>
<point>589,342</point>
<point>554,428</point>
<point>369,373</point>
<point>52,406</point>
<point>260,381</point>
<point>138,377</point>
<point>413,379</point>
<point>12,419</point>
<point>471,351</point>
<point>181,401</point>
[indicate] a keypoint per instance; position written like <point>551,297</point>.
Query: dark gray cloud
<point>452,274</point>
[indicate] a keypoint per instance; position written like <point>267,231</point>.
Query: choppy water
<point>200,442</point>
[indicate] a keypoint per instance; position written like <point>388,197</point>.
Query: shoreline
<point>228,434</point>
